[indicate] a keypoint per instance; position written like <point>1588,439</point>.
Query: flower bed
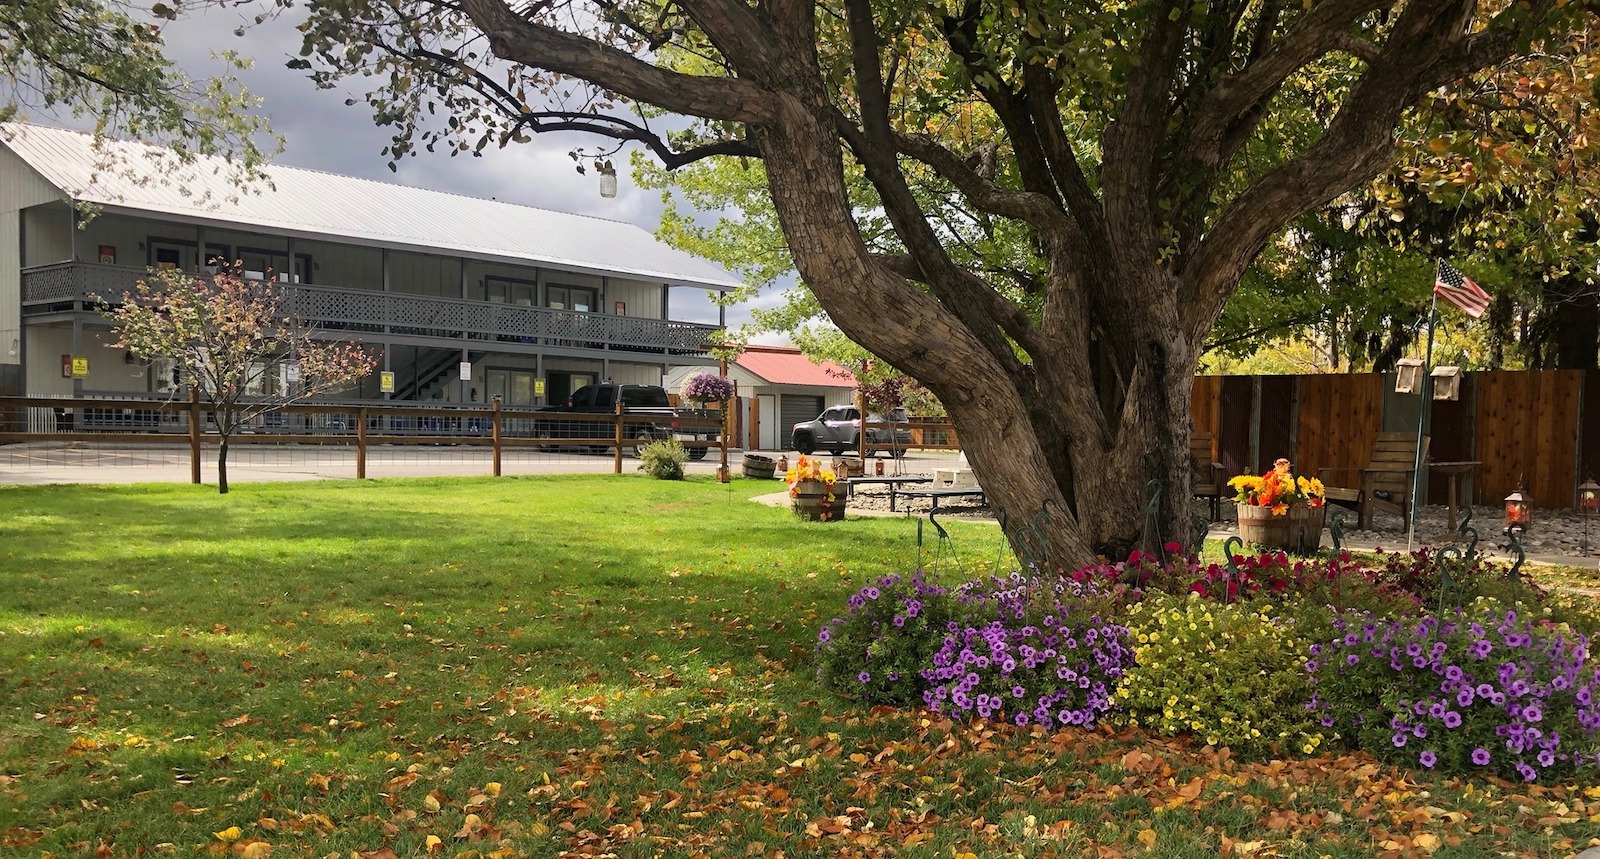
<point>1485,690</point>
<point>1423,661</point>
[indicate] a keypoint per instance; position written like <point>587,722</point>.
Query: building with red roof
<point>778,387</point>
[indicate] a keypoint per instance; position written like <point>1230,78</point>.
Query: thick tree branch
<point>518,40</point>
<point>1425,50</point>
<point>1007,315</point>
<point>617,128</point>
<point>1041,94</point>
<point>967,297</point>
<point>961,34</point>
<point>1132,141</point>
<point>1040,210</point>
<point>1243,94</point>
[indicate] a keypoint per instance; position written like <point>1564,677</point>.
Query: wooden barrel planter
<point>810,501</point>
<point>1300,530</point>
<point>759,467</point>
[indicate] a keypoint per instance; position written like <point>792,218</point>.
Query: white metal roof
<point>313,204</point>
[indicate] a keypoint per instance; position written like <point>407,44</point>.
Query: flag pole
<point>1422,423</point>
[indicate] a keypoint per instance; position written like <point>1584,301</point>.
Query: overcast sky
<point>322,133</point>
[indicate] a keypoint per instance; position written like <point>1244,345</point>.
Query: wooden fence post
<point>494,430</point>
<point>361,443</point>
<point>194,435</point>
<point>861,437</point>
<point>617,464</point>
<point>728,408</point>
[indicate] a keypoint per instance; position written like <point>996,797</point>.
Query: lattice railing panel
<point>366,310</point>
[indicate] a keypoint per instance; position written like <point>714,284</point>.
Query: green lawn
<point>595,664</point>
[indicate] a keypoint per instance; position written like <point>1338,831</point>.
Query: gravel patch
<point>1554,532</point>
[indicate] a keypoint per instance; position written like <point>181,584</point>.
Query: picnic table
<point>893,483</point>
<point>935,493</point>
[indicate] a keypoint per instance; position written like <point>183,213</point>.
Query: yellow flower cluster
<point>1278,489</point>
<point>1223,673</point>
<point>809,469</point>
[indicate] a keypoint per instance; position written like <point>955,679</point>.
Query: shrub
<point>1229,674</point>
<point>1028,650</point>
<point>877,650</point>
<point>1465,692</point>
<point>663,459</point>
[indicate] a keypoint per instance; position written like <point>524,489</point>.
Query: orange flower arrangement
<point>1279,489</point>
<point>809,469</point>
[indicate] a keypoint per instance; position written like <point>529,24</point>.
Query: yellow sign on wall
<point>386,383</point>
<point>538,387</point>
<point>80,366</point>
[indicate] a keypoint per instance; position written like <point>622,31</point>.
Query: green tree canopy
<point>103,61</point>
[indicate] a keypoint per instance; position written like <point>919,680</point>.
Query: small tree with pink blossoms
<point>227,336</point>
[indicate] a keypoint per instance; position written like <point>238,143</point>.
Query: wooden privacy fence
<point>1538,427</point>
<point>176,423</point>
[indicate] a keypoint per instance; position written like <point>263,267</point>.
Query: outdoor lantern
<point>1519,514</point>
<point>1588,508</point>
<point>1589,498</point>
<point>608,180</point>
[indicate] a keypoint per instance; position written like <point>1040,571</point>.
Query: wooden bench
<point>1385,483</point>
<point>935,493</point>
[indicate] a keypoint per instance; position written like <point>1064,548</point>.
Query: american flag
<point>1458,289</point>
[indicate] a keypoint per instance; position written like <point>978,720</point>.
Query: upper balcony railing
<point>75,286</point>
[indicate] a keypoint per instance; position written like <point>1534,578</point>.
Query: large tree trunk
<point>1068,466</point>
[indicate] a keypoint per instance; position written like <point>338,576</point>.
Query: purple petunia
<point>1428,759</point>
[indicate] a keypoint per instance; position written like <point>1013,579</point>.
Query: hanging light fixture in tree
<point>608,178</point>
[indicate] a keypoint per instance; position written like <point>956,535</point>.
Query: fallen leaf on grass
<point>1147,837</point>
<point>471,828</point>
<point>229,835</point>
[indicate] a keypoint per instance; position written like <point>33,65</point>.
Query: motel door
<point>767,422</point>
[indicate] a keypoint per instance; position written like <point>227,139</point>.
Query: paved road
<point>251,463</point>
